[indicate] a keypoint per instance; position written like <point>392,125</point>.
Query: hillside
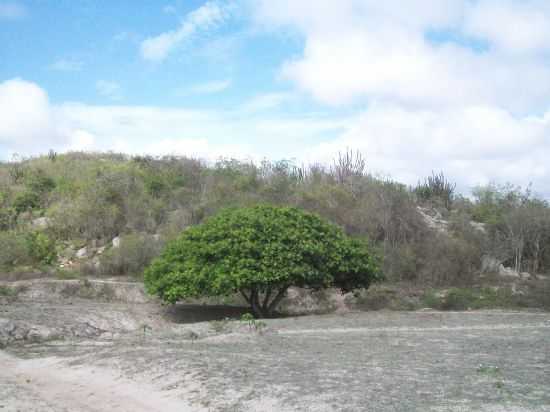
<point>97,214</point>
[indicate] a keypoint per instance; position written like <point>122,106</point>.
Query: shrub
<point>40,248</point>
<point>26,201</point>
<point>132,256</point>
<point>437,188</point>
<point>12,249</point>
<point>260,252</point>
<point>26,248</point>
<point>478,298</point>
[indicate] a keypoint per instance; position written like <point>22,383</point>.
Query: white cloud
<point>207,17</point>
<point>66,65</point>
<point>367,49</point>
<point>211,87</point>
<point>10,10</point>
<point>27,120</point>
<point>109,89</point>
<point>510,25</point>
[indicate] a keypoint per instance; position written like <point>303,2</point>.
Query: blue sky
<point>456,85</point>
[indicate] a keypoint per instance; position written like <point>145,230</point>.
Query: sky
<point>459,86</point>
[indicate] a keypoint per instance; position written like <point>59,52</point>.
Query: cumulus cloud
<point>27,120</point>
<point>367,49</point>
<point>207,17</point>
<point>511,26</point>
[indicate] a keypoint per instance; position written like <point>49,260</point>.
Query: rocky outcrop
<point>20,332</point>
<point>433,219</point>
<point>41,223</point>
<point>116,242</point>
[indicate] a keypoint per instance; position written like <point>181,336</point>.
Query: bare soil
<point>146,357</point>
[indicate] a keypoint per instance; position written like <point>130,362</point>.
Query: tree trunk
<point>266,307</point>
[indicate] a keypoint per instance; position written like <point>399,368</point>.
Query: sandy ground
<point>44,385</point>
<point>373,361</point>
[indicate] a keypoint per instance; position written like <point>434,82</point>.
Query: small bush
<point>466,299</point>
<point>40,248</point>
<point>26,201</point>
<point>26,248</point>
<point>131,257</point>
<point>8,291</point>
<point>12,250</point>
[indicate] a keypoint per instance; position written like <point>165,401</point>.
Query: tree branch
<point>280,295</point>
<point>244,296</point>
<point>267,297</point>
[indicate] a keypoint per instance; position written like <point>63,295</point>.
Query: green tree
<point>260,252</point>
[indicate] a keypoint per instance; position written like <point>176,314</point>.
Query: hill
<point>105,214</point>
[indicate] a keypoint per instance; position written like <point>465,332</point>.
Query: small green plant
<point>66,274</point>
<point>40,248</point>
<point>253,323</point>
<point>466,299</point>
<point>145,328</point>
<point>8,291</point>
<point>488,370</point>
<point>248,318</point>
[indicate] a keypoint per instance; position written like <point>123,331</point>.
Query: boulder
<point>507,272</point>
<point>7,332</point>
<point>525,275</point>
<point>41,223</point>
<point>481,227</point>
<point>490,264</point>
<point>82,253</point>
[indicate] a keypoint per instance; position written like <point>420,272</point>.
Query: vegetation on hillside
<point>51,206</point>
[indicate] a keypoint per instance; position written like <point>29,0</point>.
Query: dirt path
<point>43,385</point>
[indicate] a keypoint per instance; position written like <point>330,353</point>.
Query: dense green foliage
<point>260,251</point>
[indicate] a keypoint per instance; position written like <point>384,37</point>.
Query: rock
<point>7,331</point>
<point>82,253</point>
<point>156,237</point>
<point>86,330</point>
<point>525,275</point>
<point>101,250</point>
<point>435,222</point>
<point>41,223</point>
<point>37,334</point>
<point>190,335</point>
<point>116,242</point>
<point>67,253</point>
<point>507,272</point>
<point>479,226</point>
<point>490,264</point>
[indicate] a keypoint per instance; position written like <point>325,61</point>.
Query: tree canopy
<point>260,252</point>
